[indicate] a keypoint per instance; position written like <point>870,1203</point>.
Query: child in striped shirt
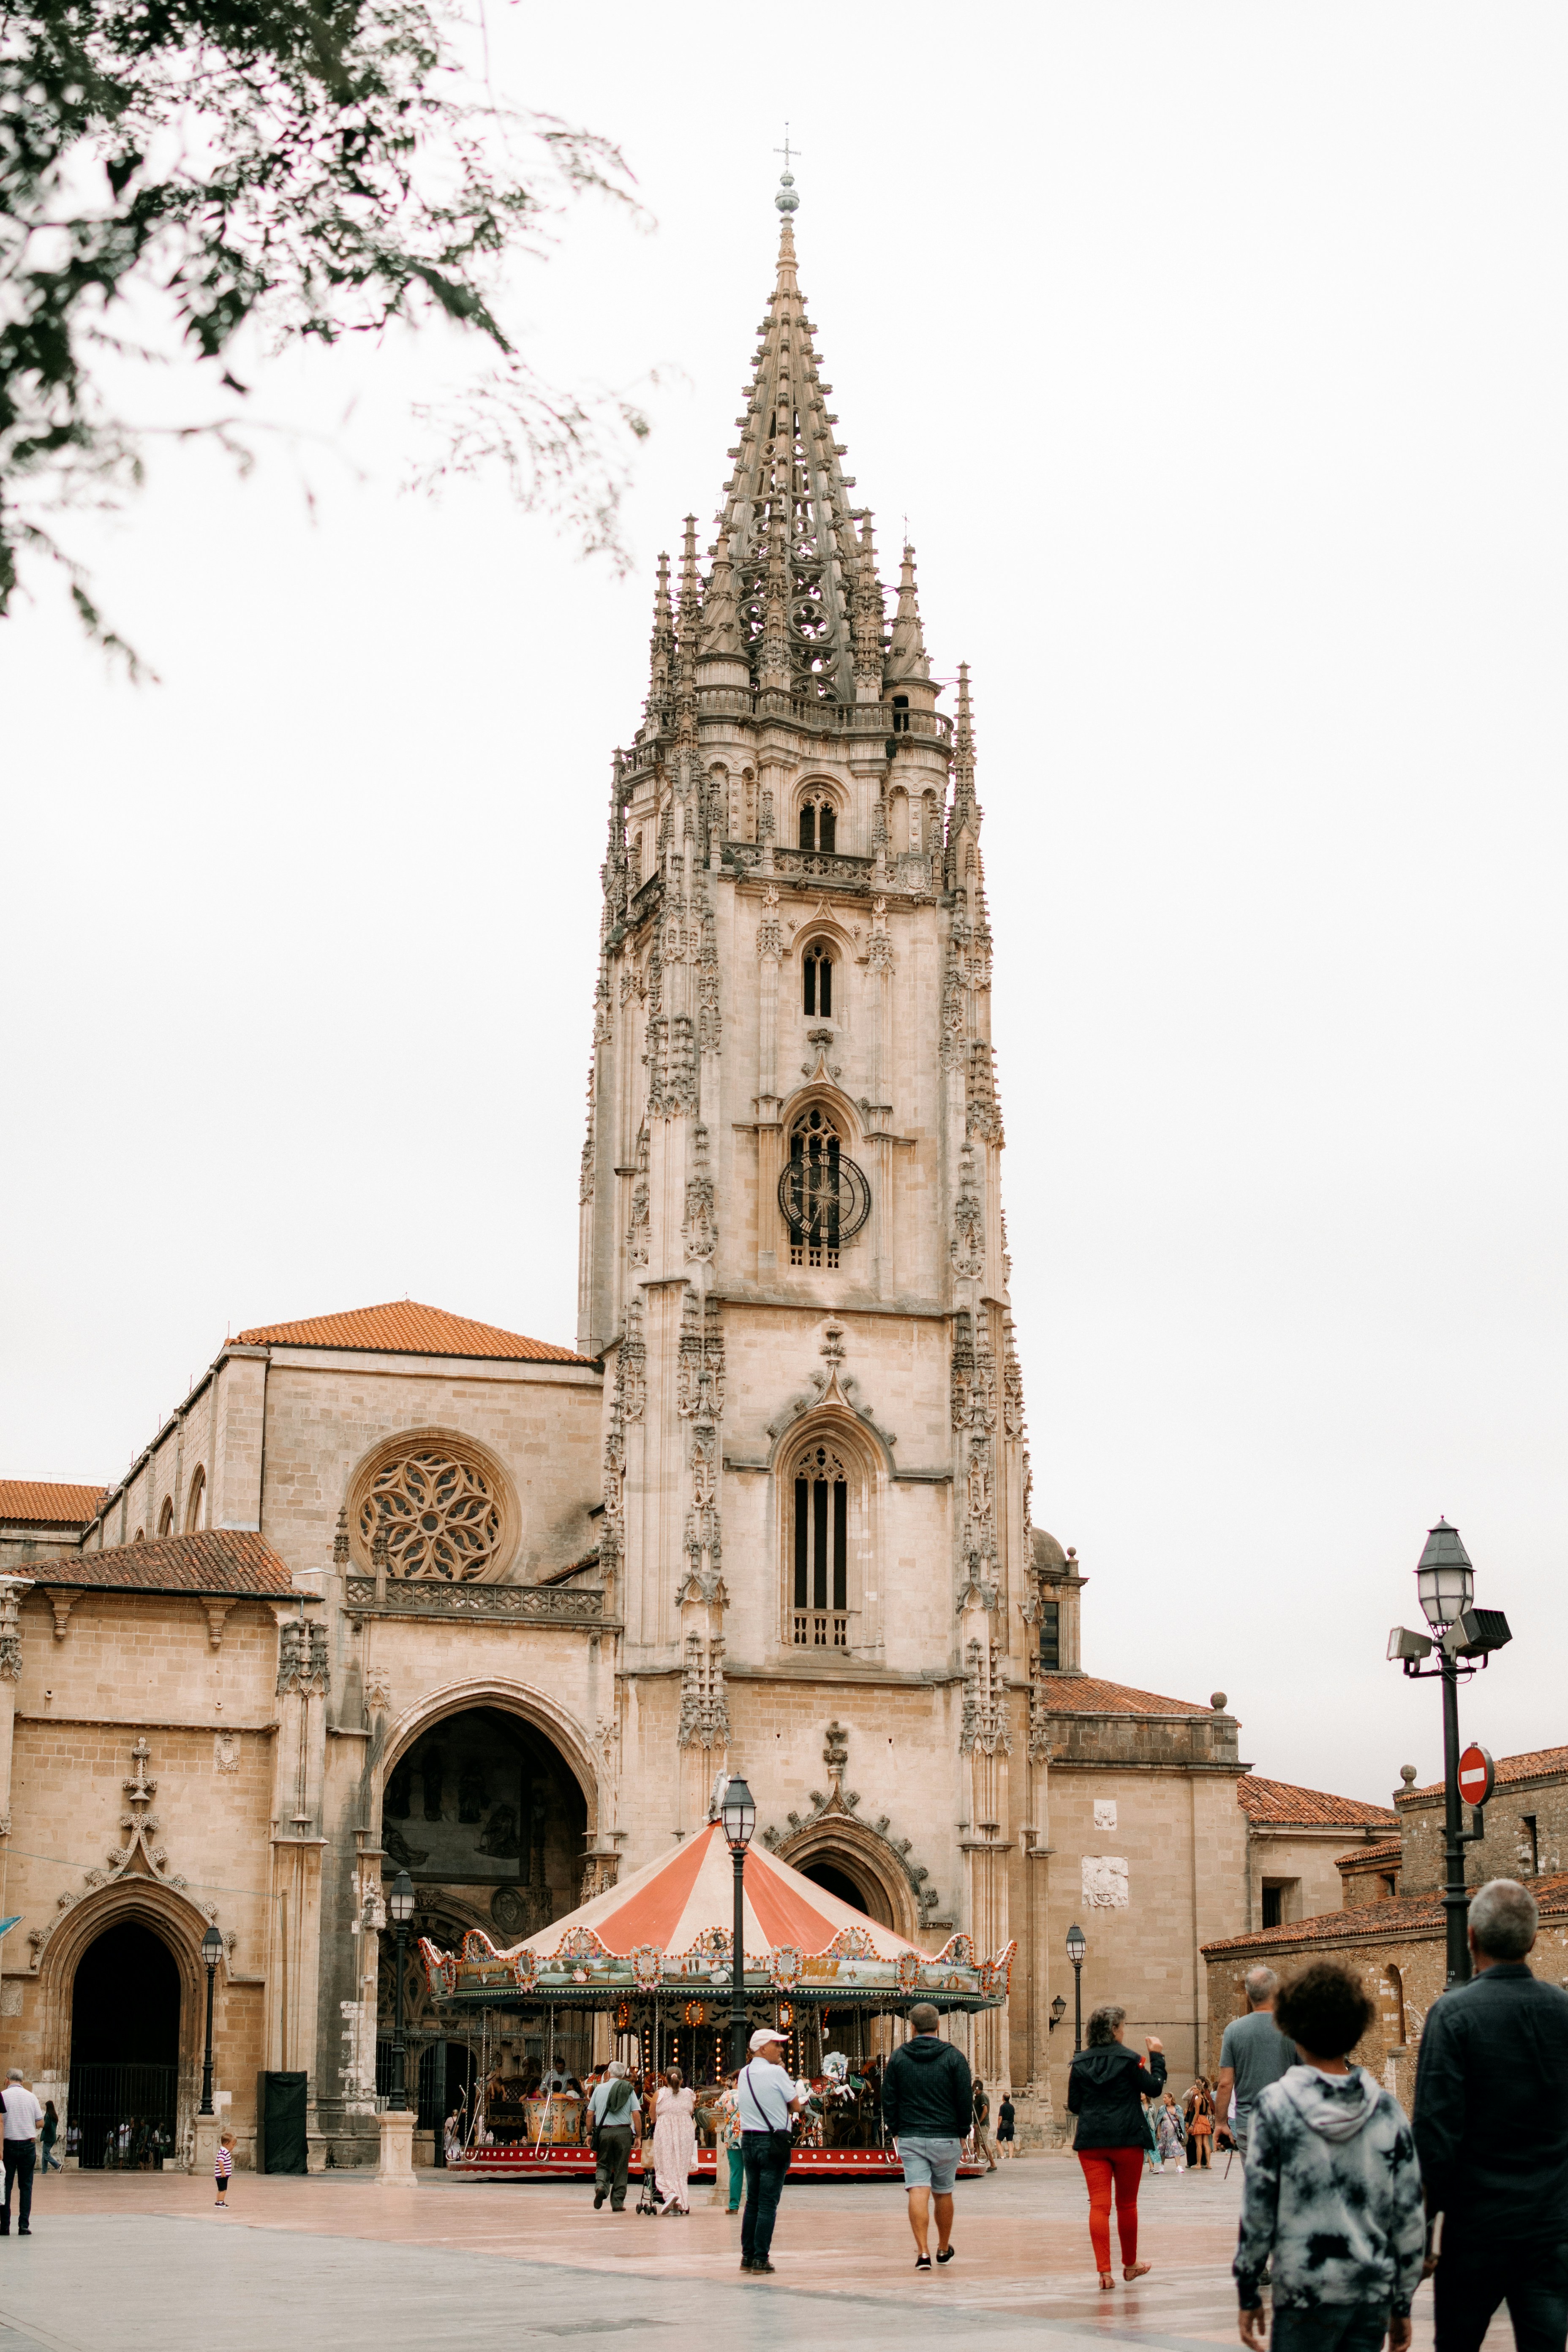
<point>224,2168</point>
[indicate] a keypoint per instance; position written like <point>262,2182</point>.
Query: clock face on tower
<point>824,1197</point>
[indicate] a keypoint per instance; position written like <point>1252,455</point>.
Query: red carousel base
<point>525,2163</point>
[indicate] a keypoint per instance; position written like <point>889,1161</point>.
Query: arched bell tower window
<point>824,1195</point>
<point>817,964</point>
<point>818,822</point>
<point>819,1615</point>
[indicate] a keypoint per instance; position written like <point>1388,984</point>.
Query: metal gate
<point>121,2118</point>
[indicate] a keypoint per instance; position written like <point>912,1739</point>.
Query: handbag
<point>782,2141</point>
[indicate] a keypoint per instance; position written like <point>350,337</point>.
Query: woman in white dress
<point>674,2140</point>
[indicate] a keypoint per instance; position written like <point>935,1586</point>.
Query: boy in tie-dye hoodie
<point>1332,2196</point>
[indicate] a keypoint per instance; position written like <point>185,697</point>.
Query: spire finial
<point>787,200</point>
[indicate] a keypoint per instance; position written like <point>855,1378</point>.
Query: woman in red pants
<point>1106,2090</point>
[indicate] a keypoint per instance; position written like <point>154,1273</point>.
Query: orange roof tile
<point>1528,1766</point>
<point>217,1559</point>
<point>1371,1857</point>
<point>1088,1694</point>
<point>403,1327</point>
<point>1372,1923</point>
<point>1280,1802</point>
<point>48,1502</point>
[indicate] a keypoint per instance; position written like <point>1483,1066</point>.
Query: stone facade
<point>396,1590</point>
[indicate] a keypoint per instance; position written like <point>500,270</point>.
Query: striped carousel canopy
<point>667,1930</point>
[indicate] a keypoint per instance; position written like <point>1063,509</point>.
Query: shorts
<point>930,2163</point>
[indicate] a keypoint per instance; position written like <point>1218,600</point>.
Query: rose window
<point>440,1517</point>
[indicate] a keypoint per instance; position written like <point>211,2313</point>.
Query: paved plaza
<point>143,2262</point>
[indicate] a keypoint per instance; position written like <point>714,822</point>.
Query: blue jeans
<point>1330,2327</point>
<point>764,2163</point>
<point>737,2177</point>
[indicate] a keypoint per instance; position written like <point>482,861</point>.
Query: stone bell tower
<point>793,1253</point>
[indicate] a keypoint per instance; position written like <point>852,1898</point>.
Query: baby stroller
<point>647,2201</point>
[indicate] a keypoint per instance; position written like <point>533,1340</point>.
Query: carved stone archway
<point>179,1926</point>
<point>844,1845</point>
<point>894,1888</point>
<point>584,1755</point>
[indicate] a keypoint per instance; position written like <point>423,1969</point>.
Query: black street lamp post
<point>1075,1950</point>
<point>738,1812</point>
<point>212,1953</point>
<point>1464,1638</point>
<point>401,1905</point>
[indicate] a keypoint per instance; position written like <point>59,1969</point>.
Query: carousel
<point>644,1973</point>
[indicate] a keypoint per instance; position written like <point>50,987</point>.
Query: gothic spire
<point>661,652</point>
<point>786,520</point>
<point>963,815</point>
<point>907,653</point>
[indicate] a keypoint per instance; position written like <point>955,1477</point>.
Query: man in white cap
<point>767,2098</point>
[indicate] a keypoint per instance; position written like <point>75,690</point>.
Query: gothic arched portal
<point>122,2111</point>
<point>488,1816</point>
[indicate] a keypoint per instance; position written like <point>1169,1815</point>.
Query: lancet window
<point>166,1517</point>
<point>819,1613</point>
<point>818,822</point>
<point>818,965</point>
<point>814,1153</point>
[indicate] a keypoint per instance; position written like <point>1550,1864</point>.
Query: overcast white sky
<point>1216,355</point>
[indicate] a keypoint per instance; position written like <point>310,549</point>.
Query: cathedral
<point>394,1588</point>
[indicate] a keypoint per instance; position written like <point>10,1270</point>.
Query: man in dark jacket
<point>1491,2132</point>
<point>927,2102</point>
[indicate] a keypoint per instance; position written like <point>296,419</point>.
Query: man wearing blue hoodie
<point>1331,2194</point>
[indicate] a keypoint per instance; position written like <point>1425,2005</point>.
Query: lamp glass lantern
<point>1444,1577</point>
<point>212,1948</point>
<point>401,1901</point>
<point>1076,1947</point>
<point>1058,2009</point>
<point>738,1814</point>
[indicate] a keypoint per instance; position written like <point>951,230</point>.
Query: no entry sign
<point>1476,1776</point>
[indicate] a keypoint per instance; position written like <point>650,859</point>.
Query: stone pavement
<point>143,2263</point>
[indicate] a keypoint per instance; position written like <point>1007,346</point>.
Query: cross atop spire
<point>786,521</point>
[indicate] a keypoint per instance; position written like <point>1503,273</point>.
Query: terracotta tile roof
<point>217,1560</point>
<point>1528,1766</point>
<point>1280,1802</point>
<point>1371,1857</point>
<point>403,1327</point>
<point>48,1502</point>
<point>1087,1694</point>
<point>1373,1923</point>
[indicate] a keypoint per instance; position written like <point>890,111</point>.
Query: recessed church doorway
<point>858,1887</point>
<point>490,1821</point>
<point>125,2052</point>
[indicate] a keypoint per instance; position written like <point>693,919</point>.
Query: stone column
<point>12,1589</point>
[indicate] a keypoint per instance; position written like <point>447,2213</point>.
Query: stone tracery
<point>438,1512</point>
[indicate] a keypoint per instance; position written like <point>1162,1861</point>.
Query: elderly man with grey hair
<point>1491,2132</point>
<point>613,2119</point>
<point>1252,2054</point>
<point>23,2117</point>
